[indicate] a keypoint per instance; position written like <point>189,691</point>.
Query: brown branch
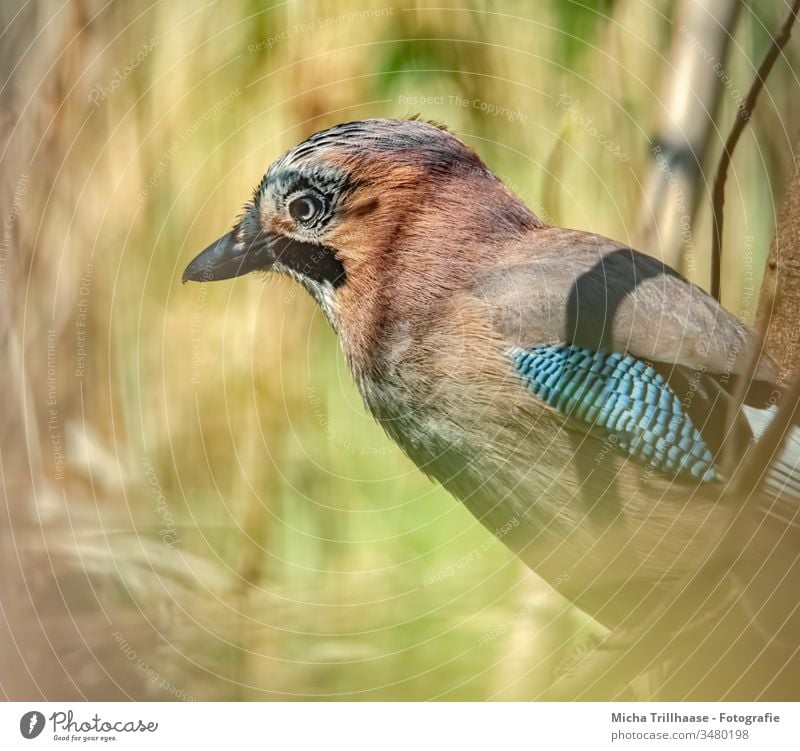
<point>779,300</point>
<point>743,116</point>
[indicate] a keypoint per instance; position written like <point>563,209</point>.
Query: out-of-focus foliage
<point>227,522</point>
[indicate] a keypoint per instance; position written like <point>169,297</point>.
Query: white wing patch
<point>783,476</point>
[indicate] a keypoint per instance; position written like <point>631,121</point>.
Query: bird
<point>586,402</point>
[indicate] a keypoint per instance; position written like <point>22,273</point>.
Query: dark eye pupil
<point>305,208</point>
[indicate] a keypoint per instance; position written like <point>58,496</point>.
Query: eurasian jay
<point>574,393</point>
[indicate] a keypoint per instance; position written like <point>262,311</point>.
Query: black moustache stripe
<point>316,262</point>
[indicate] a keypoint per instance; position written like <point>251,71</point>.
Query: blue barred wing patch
<point>623,395</point>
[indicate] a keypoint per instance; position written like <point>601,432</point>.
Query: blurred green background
<point>199,506</point>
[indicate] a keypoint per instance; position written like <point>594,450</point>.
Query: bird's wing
<point>564,286</point>
<point>616,339</point>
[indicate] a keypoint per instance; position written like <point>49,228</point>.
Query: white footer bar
<point>399,726</point>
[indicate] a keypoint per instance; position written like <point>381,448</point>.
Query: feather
<point>569,287</point>
<point>621,396</point>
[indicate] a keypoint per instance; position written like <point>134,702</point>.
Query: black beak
<point>226,258</point>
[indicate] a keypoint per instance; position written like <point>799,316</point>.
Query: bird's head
<point>367,202</point>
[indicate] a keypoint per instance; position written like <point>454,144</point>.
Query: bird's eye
<point>305,208</point>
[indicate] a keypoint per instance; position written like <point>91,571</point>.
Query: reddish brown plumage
<point>431,219</point>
